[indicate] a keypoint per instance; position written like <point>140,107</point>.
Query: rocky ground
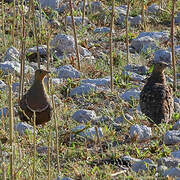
<point>102,134</point>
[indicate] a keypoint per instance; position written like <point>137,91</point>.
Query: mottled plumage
<point>36,100</point>
<point>156,100</point>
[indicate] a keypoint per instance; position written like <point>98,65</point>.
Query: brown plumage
<point>156,100</point>
<point>36,99</point>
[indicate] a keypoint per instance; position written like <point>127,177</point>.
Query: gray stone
<point>140,132</point>
<point>129,94</point>
<point>23,128</point>
<point>12,54</point>
<point>63,8</point>
<point>138,109</point>
<point>63,178</point>
<point>172,137</point>
<point>57,81</point>
<point>143,165</point>
<point>136,68</point>
<point>121,119</point>
<point>177,100</point>
<point>133,76</point>
<point>96,7</point>
<point>15,87</point>
<point>153,9</point>
<point>176,49</point>
<point>131,159</point>
<point>173,172</point>
<point>122,10</point>
<point>42,150</point>
<point>83,89</point>
<point>64,44</point>
<point>77,21</point>
<point>161,170</point>
<point>168,162</point>
<point>134,21</point>
<point>176,126</point>
<point>176,154</point>
<point>98,82</point>
<point>89,133</point>
<point>177,20</point>
<point>84,52</point>
<point>68,71</point>
<point>50,3</point>
<point>176,107</point>
<point>4,112</point>
<point>162,56</point>
<point>101,30</point>
<point>143,43</point>
<point>158,36</point>
<point>2,85</point>
<point>14,67</point>
<point>42,50</point>
<point>84,115</point>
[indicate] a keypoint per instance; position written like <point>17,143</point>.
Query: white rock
<point>176,126</point>
<point>168,162</point>
<point>98,82</point>
<point>176,154</point>
<point>23,128</point>
<point>102,30</point>
<point>15,87</point>
<point>122,120</point>
<point>96,7</point>
<point>153,9</point>
<point>143,165</point>
<point>133,76</point>
<point>140,132</point>
<point>84,52</point>
<point>158,36</point>
<point>63,44</point>
<point>77,20</point>
<point>84,115</point>
<point>173,172</point>
<point>57,81</point>
<point>129,94</point>
<point>2,85</point>
<point>162,55</point>
<point>68,71</point>
<point>83,89</point>
<point>136,69</point>
<point>63,178</point>
<point>42,50</point>
<point>172,137</point>
<point>143,43</point>
<point>89,133</point>
<point>4,112</point>
<point>14,67</point>
<point>50,3</point>
<point>12,54</point>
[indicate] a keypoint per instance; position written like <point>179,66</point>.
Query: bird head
<point>40,74</point>
<point>160,66</point>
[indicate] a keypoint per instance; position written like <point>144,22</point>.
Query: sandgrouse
<point>156,100</point>
<point>36,100</point>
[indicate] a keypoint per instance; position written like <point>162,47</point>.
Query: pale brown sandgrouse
<point>36,100</point>
<point>156,99</point>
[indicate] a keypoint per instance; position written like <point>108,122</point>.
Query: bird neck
<point>39,83</point>
<point>157,77</point>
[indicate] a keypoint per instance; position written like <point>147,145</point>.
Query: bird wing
<point>36,101</point>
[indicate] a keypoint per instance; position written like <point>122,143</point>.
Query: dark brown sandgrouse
<point>156,99</point>
<point>36,100</point>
